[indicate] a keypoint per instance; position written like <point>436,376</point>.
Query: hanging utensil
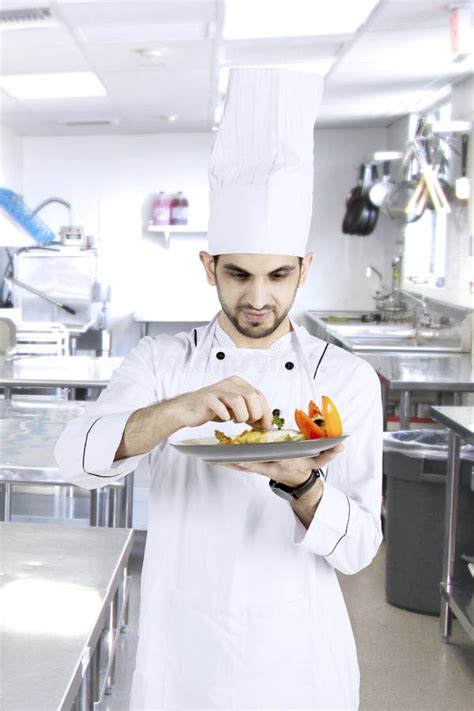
<point>354,194</point>
<point>403,203</point>
<point>430,178</point>
<point>463,185</point>
<point>381,188</point>
<point>361,215</point>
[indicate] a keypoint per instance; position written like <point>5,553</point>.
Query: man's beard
<point>252,330</point>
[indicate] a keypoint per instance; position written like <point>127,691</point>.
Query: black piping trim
<point>319,361</point>
<point>345,532</point>
<point>101,476</point>
<point>195,337</point>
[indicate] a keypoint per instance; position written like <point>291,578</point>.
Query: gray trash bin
<point>415,470</point>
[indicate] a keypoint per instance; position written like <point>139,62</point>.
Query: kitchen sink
<point>374,330</point>
<point>398,343</point>
<point>350,331</point>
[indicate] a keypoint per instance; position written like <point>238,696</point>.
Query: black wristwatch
<point>295,492</point>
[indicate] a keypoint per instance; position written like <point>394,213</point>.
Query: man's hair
<point>216,259</point>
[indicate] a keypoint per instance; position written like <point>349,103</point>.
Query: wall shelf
<point>175,230</point>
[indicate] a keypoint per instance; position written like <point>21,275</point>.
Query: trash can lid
<point>423,443</point>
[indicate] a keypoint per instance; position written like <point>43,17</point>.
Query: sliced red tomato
<point>332,419</point>
<point>307,427</point>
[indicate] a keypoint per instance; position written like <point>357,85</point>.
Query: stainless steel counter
<point>424,371</point>
<point>457,596</point>
<point>459,420</point>
<point>347,330</point>
<point>58,586</point>
<point>435,372</point>
<point>56,372</point>
<point>29,431</point>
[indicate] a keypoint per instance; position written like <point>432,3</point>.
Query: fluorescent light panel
<point>258,19</point>
<point>65,85</point>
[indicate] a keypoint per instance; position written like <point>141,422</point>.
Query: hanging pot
<point>361,216</point>
<point>400,198</point>
<point>356,191</point>
<point>381,188</point>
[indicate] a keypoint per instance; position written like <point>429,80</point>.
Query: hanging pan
<point>361,215</point>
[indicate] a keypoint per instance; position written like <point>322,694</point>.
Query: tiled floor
<point>404,664</point>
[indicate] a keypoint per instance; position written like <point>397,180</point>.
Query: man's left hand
<point>291,472</point>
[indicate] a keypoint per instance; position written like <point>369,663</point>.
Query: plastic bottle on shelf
<point>161,210</point>
<point>179,210</point>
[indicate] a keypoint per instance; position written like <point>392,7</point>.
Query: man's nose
<point>258,296</point>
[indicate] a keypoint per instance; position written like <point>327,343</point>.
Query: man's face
<point>256,291</point>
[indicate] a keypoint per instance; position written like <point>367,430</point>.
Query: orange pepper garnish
<point>332,419</point>
<point>307,427</point>
<point>313,410</point>
<point>332,425</point>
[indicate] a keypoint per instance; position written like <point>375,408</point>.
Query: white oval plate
<point>210,450</point>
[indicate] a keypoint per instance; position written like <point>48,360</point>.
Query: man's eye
<point>241,277</point>
<point>279,276</point>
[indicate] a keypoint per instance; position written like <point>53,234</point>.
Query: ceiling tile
<point>95,14</point>
<point>409,48</point>
<point>16,41</point>
<point>410,15</point>
<point>49,59</point>
<point>123,57</point>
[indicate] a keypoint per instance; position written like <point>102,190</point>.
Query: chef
<point>240,603</point>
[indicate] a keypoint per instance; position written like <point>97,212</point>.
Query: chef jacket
<point>240,603</point>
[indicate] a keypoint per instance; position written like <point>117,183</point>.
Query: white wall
<point>10,159</point>
<point>10,173</point>
<point>337,279</point>
<point>109,180</point>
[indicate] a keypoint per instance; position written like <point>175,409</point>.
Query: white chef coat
<point>241,607</point>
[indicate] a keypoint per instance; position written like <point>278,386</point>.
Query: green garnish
<point>277,420</point>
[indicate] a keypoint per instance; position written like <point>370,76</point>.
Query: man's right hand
<point>230,399</point>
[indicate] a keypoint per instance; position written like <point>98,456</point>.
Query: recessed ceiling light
<point>64,85</point>
<point>170,118</point>
<point>252,19</point>
<point>153,53</point>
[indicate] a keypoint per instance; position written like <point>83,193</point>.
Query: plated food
<point>316,432</point>
<point>318,423</point>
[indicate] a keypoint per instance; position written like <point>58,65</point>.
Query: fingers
<point>259,411</point>
<point>219,409</point>
<point>325,457</point>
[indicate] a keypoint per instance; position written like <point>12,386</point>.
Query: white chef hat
<point>261,166</point>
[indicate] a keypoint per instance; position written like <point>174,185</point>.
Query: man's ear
<point>209,267</point>
<point>305,267</point>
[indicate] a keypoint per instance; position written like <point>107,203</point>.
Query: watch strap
<point>295,492</point>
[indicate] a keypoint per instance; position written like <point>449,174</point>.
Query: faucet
<point>381,289</point>
<point>54,199</point>
<point>421,315</point>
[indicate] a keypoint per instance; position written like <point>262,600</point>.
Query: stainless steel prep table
<point>455,597</point>
<point>56,372</point>
<point>59,589</point>
<point>29,431</point>
<point>406,372</point>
